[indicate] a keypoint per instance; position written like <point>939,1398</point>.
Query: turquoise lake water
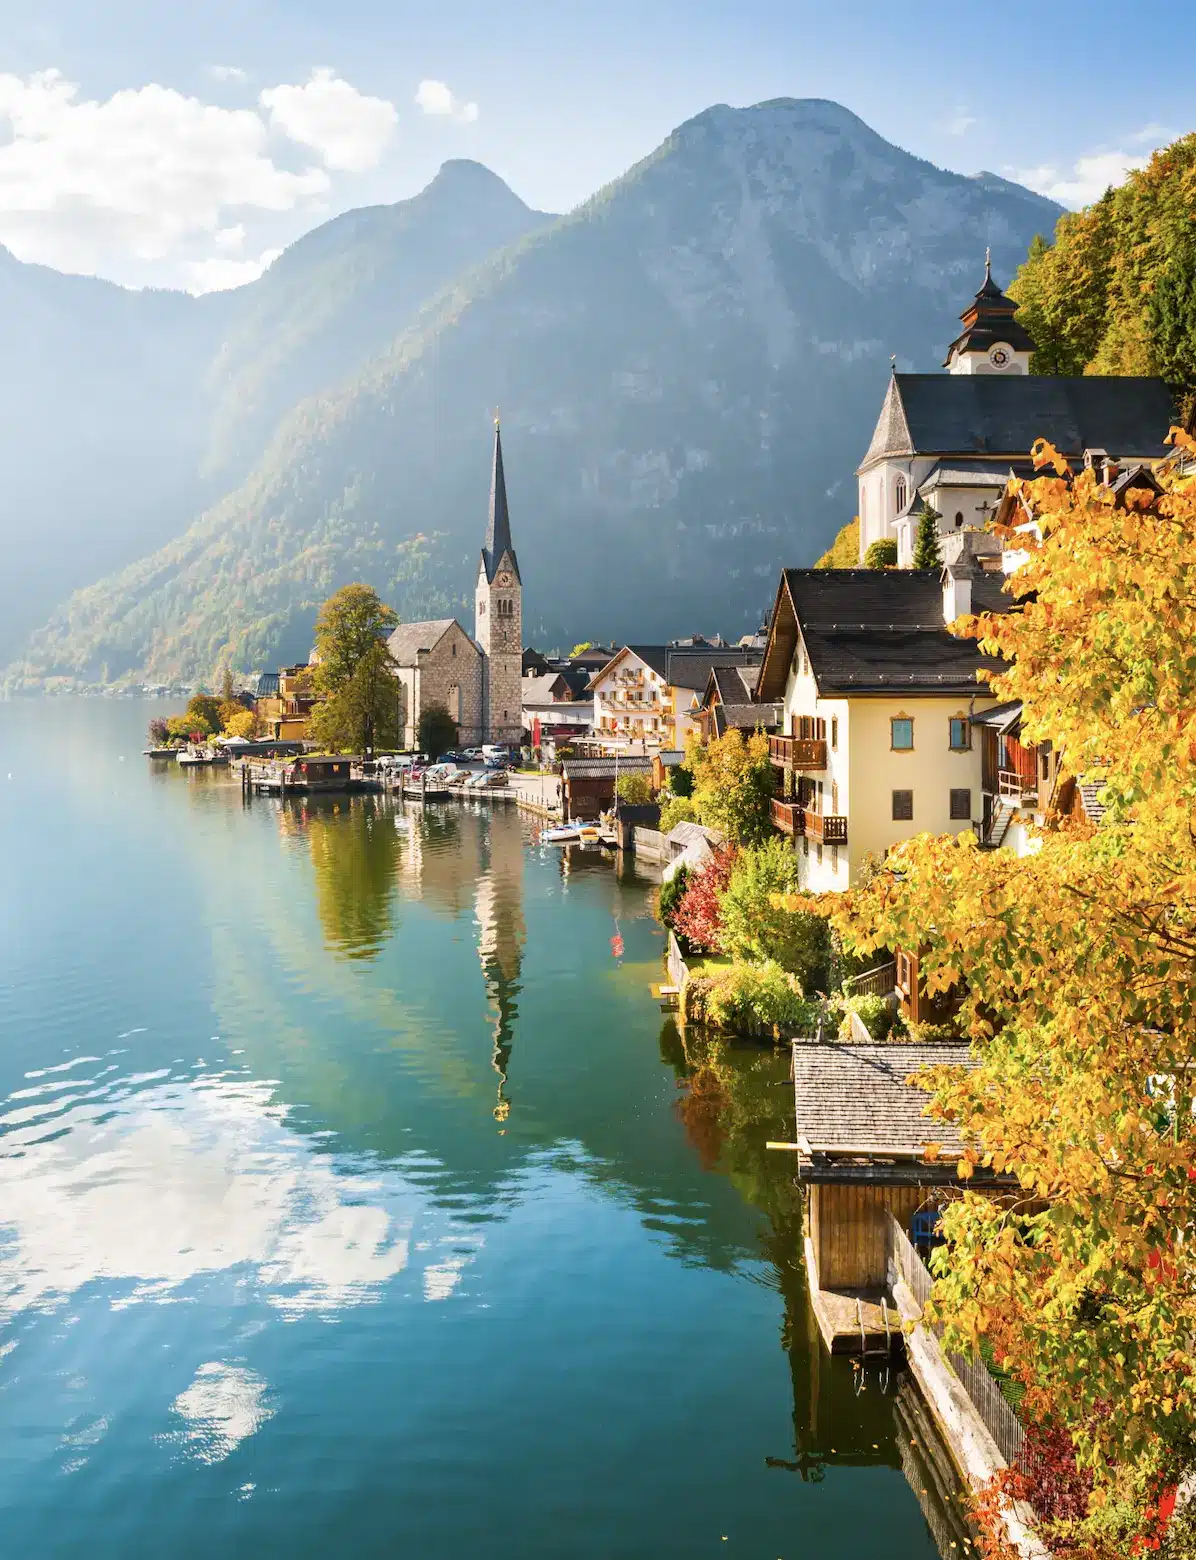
<point>356,1199</point>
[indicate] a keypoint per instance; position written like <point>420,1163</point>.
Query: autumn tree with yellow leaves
<point>1077,968</point>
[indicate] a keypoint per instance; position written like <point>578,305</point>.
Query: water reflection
<point>355,856</point>
<point>502,932</point>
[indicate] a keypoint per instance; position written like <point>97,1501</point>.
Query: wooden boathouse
<point>866,1149</point>
<point>306,773</point>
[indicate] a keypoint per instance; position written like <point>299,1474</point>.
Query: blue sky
<point>184,145</point>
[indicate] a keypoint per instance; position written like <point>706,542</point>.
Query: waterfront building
<point>877,700</point>
<point>650,696</point>
<point>950,441</point>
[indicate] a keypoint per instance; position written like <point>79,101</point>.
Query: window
<point>1046,766</point>
<point>961,734</point>
<point>958,518</point>
<point>454,701</point>
<point>805,844</point>
<point>900,491</point>
<point>901,734</point>
<point>834,796</point>
<point>834,731</point>
<point>961,803</point>
<point>903,806</point>
<point>481,609</point>
<point>454,647</point>
<point>819,852</point>
<point>506,607</point>
<point>834,858</point>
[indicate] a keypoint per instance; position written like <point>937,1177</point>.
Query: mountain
<point>689,367</point>
<point>124,414</point>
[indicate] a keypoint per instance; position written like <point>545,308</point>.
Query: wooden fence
<point>979,1384</point>
<point>880,982</point>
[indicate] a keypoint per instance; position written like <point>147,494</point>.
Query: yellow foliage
<point>1080,970</point>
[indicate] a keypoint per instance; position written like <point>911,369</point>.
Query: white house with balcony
<point>877,701</point>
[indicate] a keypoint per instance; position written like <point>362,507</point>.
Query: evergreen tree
<point>437,731</point>
<point>927,552</point>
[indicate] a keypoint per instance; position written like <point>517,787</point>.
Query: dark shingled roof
<point>406,642</point>
<point>691,668</point>
<point>876,631</point>
<point>856,1097</point>
<point>1003,414</point>
<point>735,708</point>
<point>632,763</point>
<point>498,531</point>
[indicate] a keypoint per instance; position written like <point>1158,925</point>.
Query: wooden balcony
<point>787,816</point>
<point>798,752</point>
<point>827,828</point>
<point>1017,784</point>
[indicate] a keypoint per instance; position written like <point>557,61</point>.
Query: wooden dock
<point>854,1321</point>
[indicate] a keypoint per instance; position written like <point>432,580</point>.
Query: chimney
<point>957,591</point>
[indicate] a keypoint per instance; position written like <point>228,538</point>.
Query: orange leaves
<point>1044,453</point>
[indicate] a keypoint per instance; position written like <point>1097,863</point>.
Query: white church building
<point>950,441</point>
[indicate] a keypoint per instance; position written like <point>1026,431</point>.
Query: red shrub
<point>698,918</point>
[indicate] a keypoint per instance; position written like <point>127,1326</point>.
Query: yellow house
<point>876,704</point>
<point>283,703</point>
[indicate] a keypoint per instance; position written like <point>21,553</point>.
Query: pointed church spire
<point>498,531</point>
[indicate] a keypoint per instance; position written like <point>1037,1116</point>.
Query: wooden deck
<point>852,1321</point>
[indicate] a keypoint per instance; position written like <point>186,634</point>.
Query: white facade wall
<point>632,701</point>
<point>863,771</point>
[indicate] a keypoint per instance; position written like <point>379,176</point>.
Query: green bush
<point>875,1013</point>
<point>881,554</point>
<point>681,781</point>
<point>747,997</point>
<point>755,932</point>
<point>670,894</point>
<point>678,809</point>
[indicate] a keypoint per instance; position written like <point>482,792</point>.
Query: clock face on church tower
<point>504,578</point>
<point>999,356</point>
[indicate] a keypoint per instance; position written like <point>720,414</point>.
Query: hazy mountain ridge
<point>688,368</point>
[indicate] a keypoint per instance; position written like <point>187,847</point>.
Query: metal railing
<point>975,1378</point>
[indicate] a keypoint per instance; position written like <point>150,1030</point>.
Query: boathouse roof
<point>859,1118</point>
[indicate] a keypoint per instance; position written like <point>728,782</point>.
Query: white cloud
<point>217,273</point>
<point>960,122</point>
<point>434,98</point>
<point>153,184</point>
<point>227,73</point>
<point>222,1407</point>
<point>349,130</point>
<point>1091,175</point>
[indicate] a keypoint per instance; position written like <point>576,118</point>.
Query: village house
<point>728,703</point>
<point>284,701</point>
<point>650,696</point>
<point>877,700</point>
<point>950,441</point>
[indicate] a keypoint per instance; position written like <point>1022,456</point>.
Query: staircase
<point>999,825</point>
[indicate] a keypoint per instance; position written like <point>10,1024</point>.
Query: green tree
<point>755,929</point>
<point>733,786</point>
<point>635,789</point>
<point>580,649</point>
<point>844,551</point>
<point>927,552</point>
<point>364,713</point>
<point>182,727</point>
<point>681,781</point>
<point>350,623</point>
<point>881,554</point>
<point>227,691</point>
<point>677,809</point>
<point>205,708</point>
<point>437,731</point>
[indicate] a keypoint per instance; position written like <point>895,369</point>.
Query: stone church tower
<point>498,620</point>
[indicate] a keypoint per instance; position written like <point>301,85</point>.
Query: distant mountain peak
<point>463,178</point>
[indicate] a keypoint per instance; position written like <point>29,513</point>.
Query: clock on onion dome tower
<point>498,620</point>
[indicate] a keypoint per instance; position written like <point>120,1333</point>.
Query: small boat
<point>196,756</point>
<point>160,752</point>
<point>561,834</point>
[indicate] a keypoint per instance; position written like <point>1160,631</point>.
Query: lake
<point>357,1199</point>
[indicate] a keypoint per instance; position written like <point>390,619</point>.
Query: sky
<point>159,144</point>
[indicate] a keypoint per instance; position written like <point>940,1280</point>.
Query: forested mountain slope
<point>688,367</point>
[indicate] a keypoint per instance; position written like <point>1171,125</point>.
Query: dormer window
<point>901,495</point>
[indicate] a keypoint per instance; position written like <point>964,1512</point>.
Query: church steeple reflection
<point>502,932</point>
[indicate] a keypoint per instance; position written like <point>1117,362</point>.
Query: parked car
<point>474,754</point>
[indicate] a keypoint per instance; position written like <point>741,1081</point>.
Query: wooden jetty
<point>307,773</point>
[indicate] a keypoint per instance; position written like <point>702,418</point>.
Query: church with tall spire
<point>479,680</point>
<point>498,614</point>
